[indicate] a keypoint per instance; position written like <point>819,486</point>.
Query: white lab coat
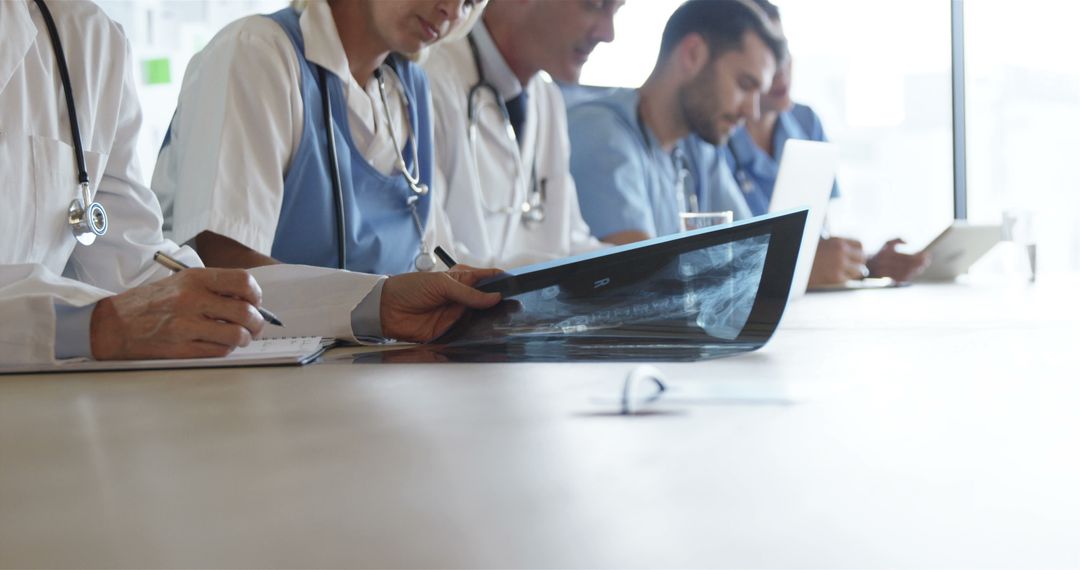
<point>471,189</point>
<point>40,264</point>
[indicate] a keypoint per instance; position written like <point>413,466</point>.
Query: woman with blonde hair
<point>305,136</point>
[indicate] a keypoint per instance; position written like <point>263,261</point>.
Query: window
<point>1023,106</point>
<point>164,35</point>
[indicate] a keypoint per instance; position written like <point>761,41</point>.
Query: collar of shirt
<point>749,157</point>
<point>666,158</point>
<point>19,33</point>
<point>367,118</point>
<point>496,70</point>
<point>322,44</point>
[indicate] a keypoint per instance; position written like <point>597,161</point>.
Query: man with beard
<point>639,157</point>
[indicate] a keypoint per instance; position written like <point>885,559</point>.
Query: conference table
<point>931,425</point>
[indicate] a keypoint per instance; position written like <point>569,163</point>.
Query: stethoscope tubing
<point>69,96</point>
<point>742,177</point>
<point>335,173</point>
<point>86,218</point>
<point>425,259</point>
<point>531,208</point>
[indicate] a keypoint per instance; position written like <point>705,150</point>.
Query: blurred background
<point>882,89</point>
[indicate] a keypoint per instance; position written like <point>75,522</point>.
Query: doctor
<point>90,288</point>
<point>305,137</point>
<point>754,152</point>
<point>502,150</point>
<point>640,157</point>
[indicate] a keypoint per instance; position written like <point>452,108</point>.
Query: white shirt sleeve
<point>580,236</point>
<point>31,293</point>
<point>238,122</point>
<point>123,257</point>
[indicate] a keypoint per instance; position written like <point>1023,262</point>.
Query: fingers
<point>471,276</point>
<point>230,283</point>
<point>854,271</point>
<point>234,311</point>
<point>838,260</point>
<point>853,249</point>
<point>853,244</point>
<point>899,266</point>
<point>204,349</point>
<point>461,293</point>
<point>226,334</point>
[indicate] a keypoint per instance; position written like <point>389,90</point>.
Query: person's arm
<point>608,175</point>
<point>219,251</point>
<point>238,119</point>
<point>198,312</point>
<point>837,260</point>
<point>316,301</point>
<point>581,239</point>
<point>422,306</point>
<point>194,313</point>
<point>902,267</point>
<point>622,238</point>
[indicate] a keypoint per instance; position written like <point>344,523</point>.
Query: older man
<point>502,150</point>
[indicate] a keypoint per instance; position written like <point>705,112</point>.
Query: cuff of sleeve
<point>73,331</point>
<point>366,318</point>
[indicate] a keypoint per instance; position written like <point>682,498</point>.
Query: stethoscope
<point>742,177</point>
<point>532,209</point>
<point>683,189</point>
<point>425,260</point>
<point>86,217</point>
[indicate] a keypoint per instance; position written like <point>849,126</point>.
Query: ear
<point>692,55</point>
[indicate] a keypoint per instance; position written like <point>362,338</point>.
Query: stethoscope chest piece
<point>424,262</point>
<point>87,221</point>
<point>532,214</point>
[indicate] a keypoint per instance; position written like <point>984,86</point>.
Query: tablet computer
<point>707,293</point>
<point>957,248</point>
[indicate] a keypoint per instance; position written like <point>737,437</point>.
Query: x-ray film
<point>699,295</point>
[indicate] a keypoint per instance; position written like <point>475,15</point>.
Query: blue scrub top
<point>381,236</point>
<point>755,171</point>
<point>626,182</point>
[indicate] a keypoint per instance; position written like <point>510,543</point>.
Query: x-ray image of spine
<point>710,290</point>
<point>725,306</point>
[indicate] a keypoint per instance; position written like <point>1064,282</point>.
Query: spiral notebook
<point>264,352</point>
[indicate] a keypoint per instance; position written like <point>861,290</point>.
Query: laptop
<point>805,180</point>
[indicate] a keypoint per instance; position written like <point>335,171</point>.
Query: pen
<point>445,257</point>
<point>176,265</point>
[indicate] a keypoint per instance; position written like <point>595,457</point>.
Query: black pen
<point>445,257</point>
<point>176,265</point>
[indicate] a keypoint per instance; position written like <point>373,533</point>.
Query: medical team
<point>329,147</point>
